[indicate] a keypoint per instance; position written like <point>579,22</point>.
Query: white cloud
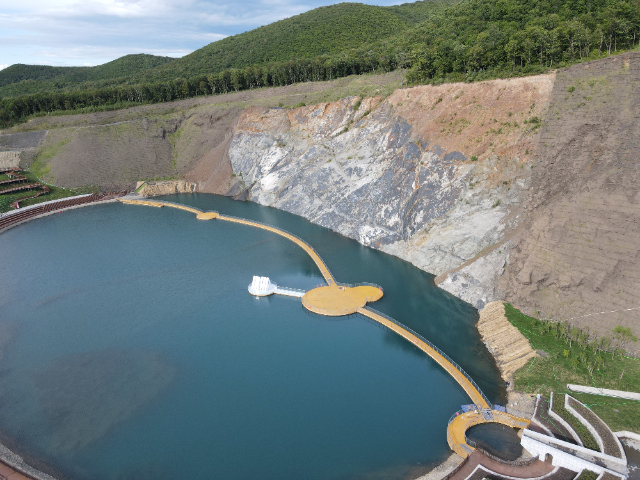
<point>3,66</point>
<point>77,32</point>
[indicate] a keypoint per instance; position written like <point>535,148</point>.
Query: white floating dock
<point>290,292</point>
<point>262,286</point>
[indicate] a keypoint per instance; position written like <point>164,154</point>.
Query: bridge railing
<point>361,284</point>
<point>288,233</point>
<point>447,357</point>
<point>459,412</point>
<point>169,204</point>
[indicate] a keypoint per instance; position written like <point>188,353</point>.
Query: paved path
<point>10,474</point>
<point>538,469</point>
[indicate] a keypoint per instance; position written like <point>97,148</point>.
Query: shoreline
<point>100,202</point>
<point>9,457</point>
<point>15,461</point>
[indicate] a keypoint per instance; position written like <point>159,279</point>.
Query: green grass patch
<point>588,475</point>
<point>618,413</point>
<point>40,165</point>
<point>573,357</point>
<point>585,435</point>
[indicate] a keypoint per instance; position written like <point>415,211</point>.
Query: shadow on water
<point>497,439</point>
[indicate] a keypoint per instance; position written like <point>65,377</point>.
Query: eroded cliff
<point>434,175</point>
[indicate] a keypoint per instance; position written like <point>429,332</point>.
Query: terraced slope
<point>581,254</point>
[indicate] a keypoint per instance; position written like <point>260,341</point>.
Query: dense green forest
<point>322,31</point>
<point>434,41</point>
<point>24,79</point>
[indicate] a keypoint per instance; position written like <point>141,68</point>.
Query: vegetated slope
<point>21,79</point>
<point>115,149</point>
<point>322,31</point>
<point>469,41</point>
<point>580,254</point>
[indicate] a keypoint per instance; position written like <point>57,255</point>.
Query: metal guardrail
<point>42,204</point>
<point>361,284</point>
<point>289,289</point>
<point>447,357</point>
<point>459,412</point>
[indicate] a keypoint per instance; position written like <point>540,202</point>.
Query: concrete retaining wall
<point>604,391</point>
<point>564,423</point>
<point>571,456</point>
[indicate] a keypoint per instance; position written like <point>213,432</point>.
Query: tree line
<point>470,41</point>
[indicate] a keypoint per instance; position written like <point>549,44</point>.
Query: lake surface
<point>131,349</point>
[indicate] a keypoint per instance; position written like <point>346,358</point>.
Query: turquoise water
<point>130,349</point>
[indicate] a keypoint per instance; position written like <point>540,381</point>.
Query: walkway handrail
<point>361,284</point>
<point>459,412</point>
<point>329,277</point>
<point>447,357</point>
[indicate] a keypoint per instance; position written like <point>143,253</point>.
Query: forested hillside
<point>22,79</point>
<point>322,31</point>
<point>461,41</point>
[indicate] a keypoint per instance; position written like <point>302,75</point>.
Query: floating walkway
<point>289,292</point>
<point>338,299</point>
<point>227,218</point>
<point>468,385</point>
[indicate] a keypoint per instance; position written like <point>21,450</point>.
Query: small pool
<point>499,440</point>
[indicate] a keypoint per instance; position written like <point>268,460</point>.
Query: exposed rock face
<point>522,190</point>
<point>151,189</point>
<point>505,342</point>
<point>362,169</point>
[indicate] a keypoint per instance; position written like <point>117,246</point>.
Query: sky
<point>92,32</point>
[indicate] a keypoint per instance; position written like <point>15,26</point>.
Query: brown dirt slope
<point>184,139</point>
<point>484,119</point>
<point>580,253</point>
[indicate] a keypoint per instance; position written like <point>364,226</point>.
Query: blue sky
<point>91,32</point>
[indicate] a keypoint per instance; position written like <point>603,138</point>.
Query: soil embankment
<point>152,189</point>
<point>579,252</point>
<point>505,342</point>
